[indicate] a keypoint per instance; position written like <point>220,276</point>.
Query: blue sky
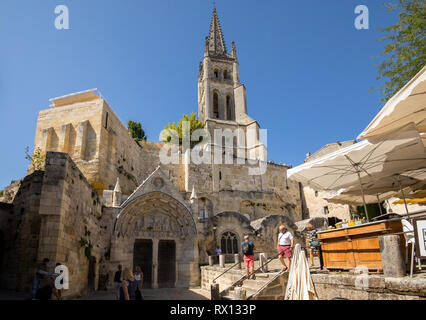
<point>306,68</point>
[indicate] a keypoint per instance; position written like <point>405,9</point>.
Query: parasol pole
<point>378,202</point>
<point>403,198</point>
<point>362,193</point>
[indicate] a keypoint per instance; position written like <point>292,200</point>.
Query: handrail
<point>235,264</point>
<point>265,285</point>
<point>254,272</point>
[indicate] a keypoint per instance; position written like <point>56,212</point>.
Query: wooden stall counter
<point>347,248</point>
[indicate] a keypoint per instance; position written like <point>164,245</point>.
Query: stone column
<point>211,260</point>
<point>237,260</point>
<point>155,263</point>
<point>263,258</point>
<point>222,261</point>
<point>214,291</point>
<point>392,256</point>
<point>47,138</point>
<point>207,93</point>
<point>64,138</point>
<point>80,140</point>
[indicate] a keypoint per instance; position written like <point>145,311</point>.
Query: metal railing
<point>241,280</point>
<point>229,268</point>
<point>265,285</point>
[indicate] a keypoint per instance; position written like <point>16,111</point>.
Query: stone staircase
<point>268,285</point>
<point>248,287</point>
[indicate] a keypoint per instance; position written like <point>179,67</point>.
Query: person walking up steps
<point>248,250</point>
<point>284,246</point>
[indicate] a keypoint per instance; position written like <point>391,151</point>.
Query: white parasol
<point>401,151</point>
<point>300,285</point>
<point>406,106</point>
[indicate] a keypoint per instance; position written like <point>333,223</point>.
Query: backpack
<point>246,247</point>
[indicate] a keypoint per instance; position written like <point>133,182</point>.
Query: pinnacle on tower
<point>193,194</point>
<point>117,186</point>
<point>234,50</point>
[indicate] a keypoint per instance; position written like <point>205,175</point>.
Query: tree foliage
<point>405,51</point>
<point>37,159</point>
<point>136,131</point>
<point>194,124</point>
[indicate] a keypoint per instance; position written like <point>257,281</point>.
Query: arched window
<point>215,105</point>
<point>228,108</point>
<point>225,74</point>
<point>216,74</point>
<point>229,243</point>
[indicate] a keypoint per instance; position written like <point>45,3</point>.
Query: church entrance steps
<point>270,285</point>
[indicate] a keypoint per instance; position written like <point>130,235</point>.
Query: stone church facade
<point>104,199</point>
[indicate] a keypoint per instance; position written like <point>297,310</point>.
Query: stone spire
<point>216,41</point>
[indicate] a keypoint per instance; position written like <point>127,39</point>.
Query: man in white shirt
<point>284,246</point>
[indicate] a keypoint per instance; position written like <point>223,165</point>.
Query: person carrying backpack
<point>248,250</point>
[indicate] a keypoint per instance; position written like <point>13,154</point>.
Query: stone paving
<point>149,294</point>
<point>198,293</point>
<point>156,294</point>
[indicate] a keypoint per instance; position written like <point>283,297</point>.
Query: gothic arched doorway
<point>157,232</point>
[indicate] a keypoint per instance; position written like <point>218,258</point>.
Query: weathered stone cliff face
<point>57,215</point>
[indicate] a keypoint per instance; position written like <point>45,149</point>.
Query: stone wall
<point>55,214</point>
<point>73,129</point>
<point>315,205</point>
<point>10,191</point>
<point>329,286</point>
<point>96,140</point>
<point>20,228</point>
<point>119,155</point>
<point>267,230</point>
<point>74,227</point>
<point>208,273</point>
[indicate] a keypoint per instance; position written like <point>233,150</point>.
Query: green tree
<point>406,50</point>
<point>37,159</point>
<point>136,131</point>
<point>194,124</point>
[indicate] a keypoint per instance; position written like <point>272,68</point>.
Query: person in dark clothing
<point>129,286</point>
<point>247,248</point>
<point>39,274</point>
<point>117,281</point>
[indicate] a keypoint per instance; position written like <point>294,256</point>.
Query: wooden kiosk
<point>347,248</point>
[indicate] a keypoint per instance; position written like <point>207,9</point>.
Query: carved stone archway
<point>158,217</point>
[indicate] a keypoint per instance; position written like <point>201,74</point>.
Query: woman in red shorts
<point>284,246</point>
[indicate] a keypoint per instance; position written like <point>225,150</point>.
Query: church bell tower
<point>221,96</point>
